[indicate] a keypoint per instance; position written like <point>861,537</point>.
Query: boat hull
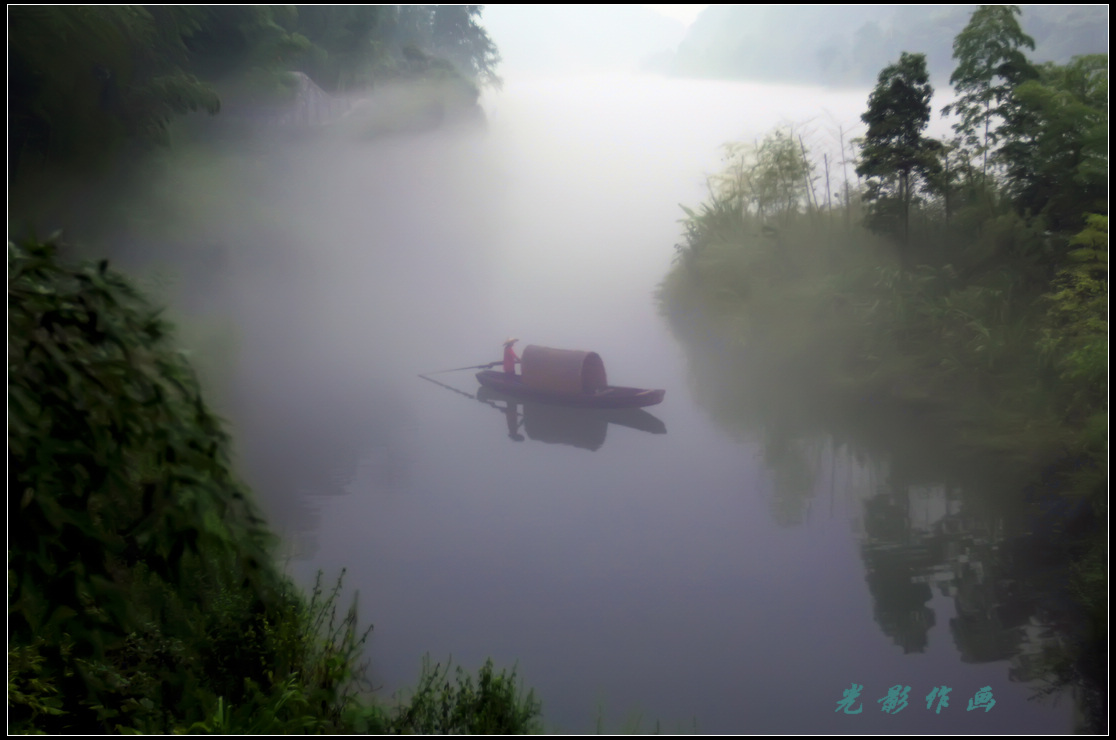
<point>611,397</point>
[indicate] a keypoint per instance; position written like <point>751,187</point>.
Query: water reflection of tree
<point>895,557</point>
<point>793,475</point>
<point>1004,571</point>
<point>931,520</point>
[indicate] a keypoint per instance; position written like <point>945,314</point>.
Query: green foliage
<point>233,39</point>
<point>140,579</point>
<point>493,705</point>
<point>1056,153</point>
<point>1076,334</point>
<point>989,66</point>
<point>1079,303</point>
<point>350,43</point>
<point>457,36</point>
<point>113,456</point>
<point>894,148</point>
<point>31,690</point>
<point>84,79</point>
<point>119,485</point>
<point>768,179</point>
<point>142,595</point>
<point>959,323</point>
<point>898,112</point>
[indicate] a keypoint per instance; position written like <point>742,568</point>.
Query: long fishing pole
<point>470,367</point>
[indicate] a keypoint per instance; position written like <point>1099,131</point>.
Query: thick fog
<point>626,565</point>
<point>337,265</point>
<point>316,275</point>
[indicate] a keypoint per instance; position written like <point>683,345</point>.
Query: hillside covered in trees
<point>86,83</point>
<point>962,282</point>
<point>849,44</point>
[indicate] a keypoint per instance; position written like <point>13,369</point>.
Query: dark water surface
<point>723,575</point>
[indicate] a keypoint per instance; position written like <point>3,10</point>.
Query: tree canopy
<point>893,147</point>
<point>990,64</point>
<point>1055,150</point>
<point>460,38</point>
<point>83,80</point>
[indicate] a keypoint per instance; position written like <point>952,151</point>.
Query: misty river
<point>696,577</point>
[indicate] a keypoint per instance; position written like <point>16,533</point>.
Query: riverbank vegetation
<point>143,593</point>
<point>962,281</point>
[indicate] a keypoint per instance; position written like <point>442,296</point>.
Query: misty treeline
<point>965,278</point>
<point>849,44</point>
<point>143,590</point>
<point>84,80</point>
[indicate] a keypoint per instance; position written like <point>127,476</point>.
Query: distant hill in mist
<point>849,45</point>
<point>571,38</point>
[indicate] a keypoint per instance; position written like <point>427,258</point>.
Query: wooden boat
<point>568,378</point>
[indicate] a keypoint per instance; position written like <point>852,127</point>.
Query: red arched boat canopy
<point>562,370</point>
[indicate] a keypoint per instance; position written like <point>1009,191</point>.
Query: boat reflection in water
<point>577,427</point>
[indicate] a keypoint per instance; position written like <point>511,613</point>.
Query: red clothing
<point>510,358</point>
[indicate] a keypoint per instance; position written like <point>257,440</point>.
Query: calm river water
<point>723,576</point>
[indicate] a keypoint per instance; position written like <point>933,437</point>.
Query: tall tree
<point>990,64</point>
<point>894,153</point>
<point>457,36</point>
<point>1056,143</point>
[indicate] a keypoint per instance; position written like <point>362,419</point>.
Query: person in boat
<point>510,357</point>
